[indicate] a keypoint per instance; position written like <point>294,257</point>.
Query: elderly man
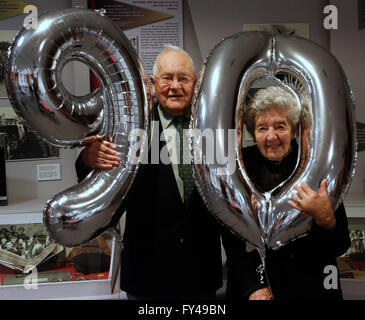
<point>172,247</point>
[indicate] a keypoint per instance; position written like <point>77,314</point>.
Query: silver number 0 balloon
<point>327,141</point>
<point>36,91</point>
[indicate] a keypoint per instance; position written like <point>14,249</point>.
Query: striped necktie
<point>185,170</point>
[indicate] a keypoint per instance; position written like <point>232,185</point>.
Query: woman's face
<point>273,134</point>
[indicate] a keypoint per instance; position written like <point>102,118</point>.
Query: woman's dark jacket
<point>296,270</point>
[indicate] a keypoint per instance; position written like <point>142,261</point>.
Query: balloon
<point>36,91</point>
<point>327,140</point>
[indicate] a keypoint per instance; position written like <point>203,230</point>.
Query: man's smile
<point>176,96</point>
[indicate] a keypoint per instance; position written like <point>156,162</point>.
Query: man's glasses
<point>168,80</point>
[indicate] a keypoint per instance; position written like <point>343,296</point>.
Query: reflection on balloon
<point>250,60</point>
<point>35,89</point>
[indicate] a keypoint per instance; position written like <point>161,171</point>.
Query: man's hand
<point>317,205</point>
<point>262,294</point>
<point>99,154</point>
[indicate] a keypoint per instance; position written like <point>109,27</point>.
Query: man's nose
<point>175,84</point>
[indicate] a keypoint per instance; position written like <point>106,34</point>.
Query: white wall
<point>348,45</point>
<point>214,20</point>
<point>208,22</point>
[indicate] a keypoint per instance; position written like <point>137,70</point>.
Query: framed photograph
<point>20,144</point>
<point>6,38</point>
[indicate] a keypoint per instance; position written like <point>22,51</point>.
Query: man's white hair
<point>169,48</point>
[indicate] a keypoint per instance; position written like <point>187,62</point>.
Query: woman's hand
<point>317,205</point>
<point>262,294</point>
<point>254,202</point>
<point>99,154</point>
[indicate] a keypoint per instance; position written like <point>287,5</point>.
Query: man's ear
<point>153,82</point>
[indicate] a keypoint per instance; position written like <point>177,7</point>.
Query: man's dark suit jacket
<point>170,251</point>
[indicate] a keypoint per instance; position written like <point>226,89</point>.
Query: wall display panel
<point>12,8</point>
<point>147,24</point>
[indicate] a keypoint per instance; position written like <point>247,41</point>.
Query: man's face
<point>175,97</point>
<point>273,134</point>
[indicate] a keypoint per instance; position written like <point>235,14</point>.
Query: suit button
<point>182,240</point>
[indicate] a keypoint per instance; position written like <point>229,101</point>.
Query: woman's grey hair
<point>268,98</point>
<point>168,48</point>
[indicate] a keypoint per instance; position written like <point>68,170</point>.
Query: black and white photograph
<point>23,246</point>
<point>27,241</point>
<point>19,142</point>
<point>6,37</point>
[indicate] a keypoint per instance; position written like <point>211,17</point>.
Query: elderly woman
<point>298,270</point>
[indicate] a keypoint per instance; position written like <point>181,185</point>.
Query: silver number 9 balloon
<point>37,93</point>
<point>327,141</point>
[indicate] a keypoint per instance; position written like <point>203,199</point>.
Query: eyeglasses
<point>167,80</point>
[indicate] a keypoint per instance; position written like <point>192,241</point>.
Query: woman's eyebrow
<point>281,122</point>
